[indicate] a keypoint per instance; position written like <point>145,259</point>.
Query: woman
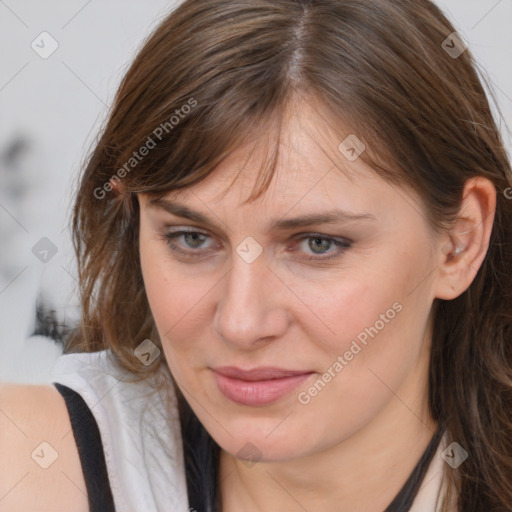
<point>294,231</point>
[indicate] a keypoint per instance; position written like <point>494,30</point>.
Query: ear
<point>464,246</point>
<point>116,185</point>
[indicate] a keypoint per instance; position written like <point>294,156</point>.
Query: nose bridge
<point>248,310</point>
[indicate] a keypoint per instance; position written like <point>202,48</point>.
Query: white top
<point>141,435</point>
<point>140,432</point>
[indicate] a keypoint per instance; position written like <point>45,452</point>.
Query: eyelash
<point>342,244</point>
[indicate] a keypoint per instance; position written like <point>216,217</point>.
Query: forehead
<point>311,164</point>
<point>312,178</point>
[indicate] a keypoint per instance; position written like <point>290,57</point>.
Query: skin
<point>356,441</point>
<point>31,415</point>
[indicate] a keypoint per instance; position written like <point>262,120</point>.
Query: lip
<point>258,386</point>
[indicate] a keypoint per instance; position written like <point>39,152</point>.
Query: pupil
<point>322,241</point>
<point>195,238</point>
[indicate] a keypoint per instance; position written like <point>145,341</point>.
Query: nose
<point>251,308</point>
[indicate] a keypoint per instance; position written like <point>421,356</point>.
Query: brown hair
<point>378,65</point>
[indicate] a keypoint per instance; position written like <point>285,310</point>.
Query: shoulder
<point>39,465</point>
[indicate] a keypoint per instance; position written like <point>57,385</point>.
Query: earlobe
<point>466,243</point>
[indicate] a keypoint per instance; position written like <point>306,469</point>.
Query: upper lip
<point>259,373</point>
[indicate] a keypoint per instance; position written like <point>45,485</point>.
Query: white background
<point>50,112</point>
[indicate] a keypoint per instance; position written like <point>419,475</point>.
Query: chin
<point>260,441</point>
<point>263,451</point>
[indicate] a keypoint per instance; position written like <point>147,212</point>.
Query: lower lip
<point>259,392</point>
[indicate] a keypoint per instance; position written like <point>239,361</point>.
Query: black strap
<point>90,450</point>
<point>405,498</point>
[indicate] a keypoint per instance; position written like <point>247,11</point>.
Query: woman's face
<point>345,303</point>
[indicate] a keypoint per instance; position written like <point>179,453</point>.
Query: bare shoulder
<point>39,463</point>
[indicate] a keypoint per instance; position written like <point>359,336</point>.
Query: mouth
<point>259,386</point>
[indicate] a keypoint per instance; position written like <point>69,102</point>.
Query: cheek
<point>171,298</point>
<point>175,297</point>
<point>369,315</point>
<point>374,340</point>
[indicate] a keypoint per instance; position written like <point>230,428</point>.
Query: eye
<point>318,246</point>
<point>193,240</point>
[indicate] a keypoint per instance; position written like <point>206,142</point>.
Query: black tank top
<point>92,458</point>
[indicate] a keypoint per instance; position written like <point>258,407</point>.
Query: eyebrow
<point>328,217</point>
